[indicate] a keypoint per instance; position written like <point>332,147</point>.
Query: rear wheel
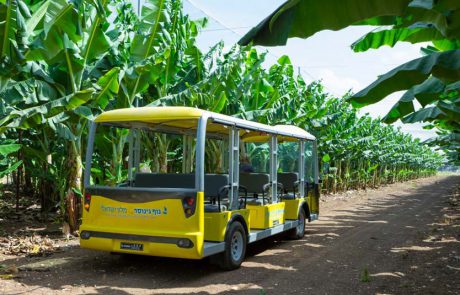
<point>235,246</point>
<point>298,232</point>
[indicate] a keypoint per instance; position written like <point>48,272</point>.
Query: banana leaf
<point>420,33</point>
<point>108,87</point>
<point>6,149</point>
<point>8,26</point>
<point>153,16</point>
<point>427,92</point>
<point>33,116</point>
<point>425,114</point>
<point>304,18</point>
<point>442,111</point>
<point>63,16</point>
<point>10,169</point>
<point>443,65</point>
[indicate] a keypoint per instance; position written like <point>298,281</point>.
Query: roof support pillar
<point>274,168</point>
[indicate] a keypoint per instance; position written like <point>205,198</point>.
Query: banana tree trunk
<point>339,175</point>
<point>334,178</point>
<point>162,148</point>
<point>19,172</point>
<point>72,199</point>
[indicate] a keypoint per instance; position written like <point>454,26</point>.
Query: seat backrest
<point>171,180</point>
<point>254,182</point>
<point>213,183</point>
<point>287,179</point>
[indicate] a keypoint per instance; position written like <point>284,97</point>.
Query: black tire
<point>298,232</point>
<point>234,237</point>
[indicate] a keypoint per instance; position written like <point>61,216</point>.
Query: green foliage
<point>361,152</point>
<point>7,149</point>
<point>72,60</point>
<point>425,93</point>
<point>378,38</point>
<point>6,165</point>
<point>442,65</point>
<point>304,18</point>
<point>425,78</point>
<point>365,277</point>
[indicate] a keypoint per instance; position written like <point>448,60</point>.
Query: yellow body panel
<point>161,218</point>
<point>266,216</point>
<point>291,210</point>
<point>313,203</point>
<point>215,224</point>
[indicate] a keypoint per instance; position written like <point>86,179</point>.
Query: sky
<point>326,56</point>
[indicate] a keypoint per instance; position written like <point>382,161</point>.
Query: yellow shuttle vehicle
<point>188,183</point>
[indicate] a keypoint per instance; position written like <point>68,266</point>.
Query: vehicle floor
<point>399,239</point>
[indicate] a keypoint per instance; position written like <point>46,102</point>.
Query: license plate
<point>132,246</point>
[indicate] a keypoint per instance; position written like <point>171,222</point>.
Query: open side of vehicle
<point>197,203</point>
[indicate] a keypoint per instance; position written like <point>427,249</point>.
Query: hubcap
<point>236,246</point>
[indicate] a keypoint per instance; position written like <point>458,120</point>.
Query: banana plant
<point>358,146</point>
<point>425,79</point>
<point>75,64</point>
<point>64,42</point>
<point>6,164</point>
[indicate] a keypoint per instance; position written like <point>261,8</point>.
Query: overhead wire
<point>227,28</point>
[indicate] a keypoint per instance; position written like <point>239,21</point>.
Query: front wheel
<point>298,232</point>
<point>235,246</point>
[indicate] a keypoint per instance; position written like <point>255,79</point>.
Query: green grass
<point>365,277</point>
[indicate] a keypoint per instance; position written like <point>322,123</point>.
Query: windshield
<point>141,157</point>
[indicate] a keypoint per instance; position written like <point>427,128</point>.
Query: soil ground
<point>400,239</point>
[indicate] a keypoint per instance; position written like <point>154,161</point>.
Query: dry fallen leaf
<point>30,245</point>
<point>36,249</point>
<point>12,269</point>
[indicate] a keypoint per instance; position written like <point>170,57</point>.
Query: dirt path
<point>402,239</point>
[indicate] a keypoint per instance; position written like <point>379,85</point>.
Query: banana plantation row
<point>64,62</point>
